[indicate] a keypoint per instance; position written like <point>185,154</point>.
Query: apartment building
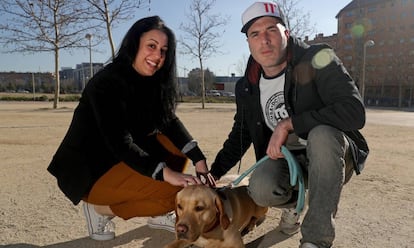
<point>375,41</point>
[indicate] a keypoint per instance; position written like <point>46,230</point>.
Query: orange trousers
<point>130,194</point>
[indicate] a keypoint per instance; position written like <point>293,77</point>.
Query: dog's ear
<point>224,219</point>
<point>176,212</point>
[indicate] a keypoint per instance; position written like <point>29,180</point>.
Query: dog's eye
<point>199,208</point>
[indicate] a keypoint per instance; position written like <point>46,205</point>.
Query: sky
<point>233,51</point>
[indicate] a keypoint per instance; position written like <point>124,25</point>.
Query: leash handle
<point>295,173</point>
<point>296,177</point>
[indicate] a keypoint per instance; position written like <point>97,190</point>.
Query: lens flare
<point>358,31</point>
<point>323,58</point>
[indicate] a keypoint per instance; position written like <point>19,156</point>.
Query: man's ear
<point>287,33</point>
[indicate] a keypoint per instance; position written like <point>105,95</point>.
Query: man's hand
<point>204,175</point>
<point>279,137</point>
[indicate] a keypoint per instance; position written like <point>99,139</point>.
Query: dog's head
<point>199,210</point>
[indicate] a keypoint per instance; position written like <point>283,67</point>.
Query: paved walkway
<point>390,117</point>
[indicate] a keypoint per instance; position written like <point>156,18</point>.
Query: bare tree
<point>200,38</point>
<point>44,26</point>
<point>112,12</point>
<point>242,64</point>
<point>299,24</point>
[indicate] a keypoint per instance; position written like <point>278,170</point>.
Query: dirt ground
<point>376,208</point>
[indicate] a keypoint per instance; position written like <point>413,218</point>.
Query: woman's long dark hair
<point>166,75</point>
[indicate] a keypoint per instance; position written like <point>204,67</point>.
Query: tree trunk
<point>108,29</point>
<point>57,79</point>
<point>111,41</point>
<point>203,88</point>
<point>400,94</point>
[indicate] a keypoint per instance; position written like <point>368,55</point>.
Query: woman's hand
<point>179,179</point>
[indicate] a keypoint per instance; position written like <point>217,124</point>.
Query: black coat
<point>318,90</point>
<point>114,121</point>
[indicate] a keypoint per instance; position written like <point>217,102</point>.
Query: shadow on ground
<point>143,235</point>
<point>149,238</point>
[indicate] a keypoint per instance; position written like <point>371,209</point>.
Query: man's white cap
<point>260,9</point>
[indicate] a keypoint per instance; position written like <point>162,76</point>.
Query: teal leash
<point>295,171</point>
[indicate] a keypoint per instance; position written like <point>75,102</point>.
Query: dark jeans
<point>327,169</point>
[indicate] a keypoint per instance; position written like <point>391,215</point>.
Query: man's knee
<point>325,137</point>
<point>269,185</point>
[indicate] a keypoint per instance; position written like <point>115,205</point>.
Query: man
<point>302,97</point>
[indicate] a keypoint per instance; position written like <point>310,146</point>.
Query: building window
<point>349,58</point>
<point>372,9</point>
<point>349,13</point>
<point>348,47</point>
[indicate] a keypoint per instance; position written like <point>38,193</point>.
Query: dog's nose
<point>182,229</point>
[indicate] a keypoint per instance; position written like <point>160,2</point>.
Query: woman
<point>125,149</point>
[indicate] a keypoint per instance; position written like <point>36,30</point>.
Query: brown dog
<point>214,218</point>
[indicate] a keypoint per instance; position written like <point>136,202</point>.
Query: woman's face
<point>151,53</point>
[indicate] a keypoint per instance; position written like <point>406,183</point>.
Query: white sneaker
<point>100,227</point>
<point>308,245</point>
<point>289,221</point>
<point>165,222</point>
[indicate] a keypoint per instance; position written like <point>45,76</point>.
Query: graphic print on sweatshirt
<point>275,110</point>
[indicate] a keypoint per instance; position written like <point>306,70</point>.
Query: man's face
<point>267,39</point>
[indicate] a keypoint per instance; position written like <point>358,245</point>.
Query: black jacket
<point>318,90</point>
<point>114,121</point>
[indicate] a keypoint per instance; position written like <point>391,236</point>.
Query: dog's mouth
<point>185,236</point>
<point>182,236</point>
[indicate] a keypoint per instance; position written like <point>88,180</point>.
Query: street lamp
<point>228,69</point>
<point>89,38</point>
<point>368,43</point>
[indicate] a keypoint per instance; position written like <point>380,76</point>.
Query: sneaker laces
<point>170,217</point>
<point>105,224</point>
<point>289,216</point>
